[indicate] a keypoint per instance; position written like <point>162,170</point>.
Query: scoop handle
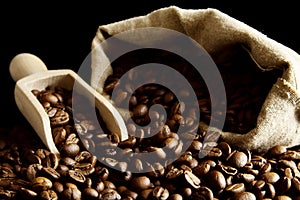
<point>25,64</point>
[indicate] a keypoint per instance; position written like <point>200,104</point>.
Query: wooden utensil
<point>29,72</point>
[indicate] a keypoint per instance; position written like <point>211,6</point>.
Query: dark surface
<point>61,34</point>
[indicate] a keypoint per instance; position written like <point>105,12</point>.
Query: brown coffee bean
<point>276,151</point>
<point>48,195</point>
<point>175,197</point>
<point>235,188</point>
<point>77,175</point>
<point>246,177</point>
<point>192,179</point>
<point>140,110</point>
<point>270,191</point>
<point>25,193</point>
<point>216,180</point>
<point>266,168</point>
<point>282,185</point>
<point>203,193</point>
<point>90,193</point>
<point>202,168</point>
<point>270,177</point>
<point>238,159</point>
<point>160,193</point>
<point>282,197</point>
<point>140,183</point>
<point>71,192</point>
<point>40,184</point>
<point>60,118</point>
<point>32,171</point>
<point>70,150</point>
<point>58,187</point>
<point>50,173</point>
<point>67,161</point>
<point>228,170</point>
<point>174,173</point>
<point>108,194</point>
<point>146,194</point>
<point>244,196</point>
<point>296,183</point>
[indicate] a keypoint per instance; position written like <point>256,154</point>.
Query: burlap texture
<point>277,123</point>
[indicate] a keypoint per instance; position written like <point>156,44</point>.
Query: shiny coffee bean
<point>40,184</point>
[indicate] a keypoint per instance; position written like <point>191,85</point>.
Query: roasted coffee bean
<point>140,183</point>
<point>48,195</point>
<point>160,193</point>
<point>40,184</point>
<point>33,170</point>
<point>140,110</point>
<point>90,193</point>
<point>58,187</point>
<point>109,194</point>
<point>235,188</point>
<point>216,180</point>
<point>192,179</point>
<point>238,159</point>
<point>282,185</point>
<point>59,135</point>
<point>27,193</point>
<point>50,173</point>
<point>71,192</point>
<point>70,150</point>
<point>203,193</point>
<point>244,196</point>
<point>270,177</point>
<point>60,118</point>
<point>276,151</point>
<point>175,197</point>
<point>202,168</point>
<point>77,175</point>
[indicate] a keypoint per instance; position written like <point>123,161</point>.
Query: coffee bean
<point>216,180</point>
<point>175,197</point>
<point>140,183</point>
<point>50,173</point>
<point>40,184</point>
<point>203,193</point>
<point>58,187</point>
<point>90,193</point>
<point>192,179</point>
<point>109,194</point>
<point>71,192</point>
<point>48,195</point>
<point>270,177</point>
<point>244,196</point>
<point>238,159</point>
<point>160,193</point>
<point>276,151</point>
<point>236,188</point>
<point>70,150</point>
<point>77,175</point>
<point>140,110</point>
<point>26,193</point>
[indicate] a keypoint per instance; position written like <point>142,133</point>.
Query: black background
<point>61,33</point>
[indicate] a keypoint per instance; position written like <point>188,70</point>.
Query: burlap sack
<point>277,123</point>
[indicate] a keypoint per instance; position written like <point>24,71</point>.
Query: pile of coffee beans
<point>29,171</point>
<point>94,163</point>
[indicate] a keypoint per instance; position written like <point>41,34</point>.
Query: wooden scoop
<point>30,73</point>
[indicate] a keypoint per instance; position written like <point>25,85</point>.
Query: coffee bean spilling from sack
<point>225,173</point>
